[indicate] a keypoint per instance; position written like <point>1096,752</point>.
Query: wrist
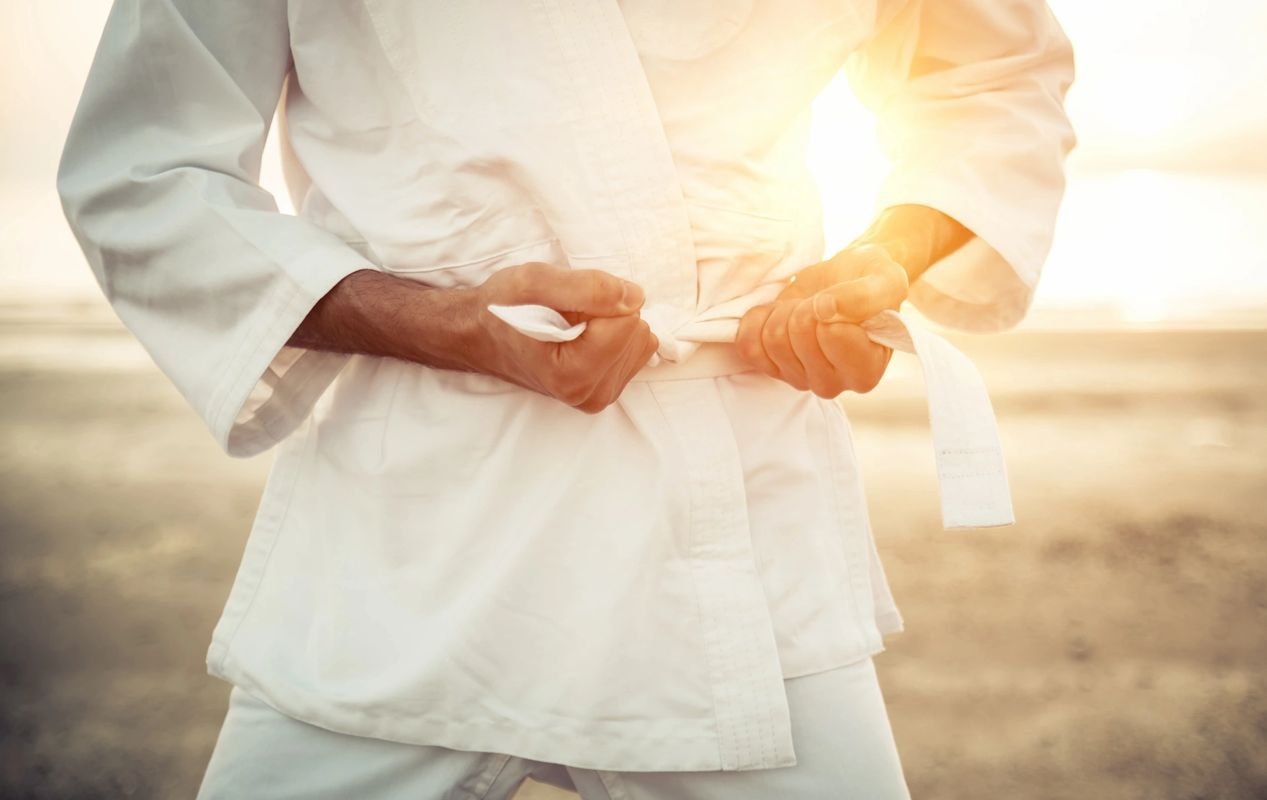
<point>447,330</point>
<point>915,236</point>
<point>899,251</point>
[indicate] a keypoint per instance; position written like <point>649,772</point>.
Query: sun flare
<point>845,158</point>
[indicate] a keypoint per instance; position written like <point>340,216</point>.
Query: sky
<point>1169,82</point>
<point>1165,88</point>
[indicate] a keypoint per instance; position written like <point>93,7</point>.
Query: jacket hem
<point>614,751</point>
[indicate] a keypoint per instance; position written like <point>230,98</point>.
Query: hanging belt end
<point>976,500</point>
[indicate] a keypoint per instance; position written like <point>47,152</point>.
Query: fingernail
<point>631,297</point>
<point>825,308</point>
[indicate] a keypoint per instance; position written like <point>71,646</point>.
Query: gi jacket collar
<point>630,184</point>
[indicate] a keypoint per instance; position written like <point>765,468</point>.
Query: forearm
<point>915,237</point>
<point>371,313</point>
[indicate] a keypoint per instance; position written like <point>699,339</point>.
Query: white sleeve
<point>968,96</point>
<point>159,182</point>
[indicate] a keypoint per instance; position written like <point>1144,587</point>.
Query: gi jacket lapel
<point>628,174</point>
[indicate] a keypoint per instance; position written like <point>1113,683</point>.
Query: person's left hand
<point>810,335</point>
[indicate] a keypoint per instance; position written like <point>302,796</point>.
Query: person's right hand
<point>588,373</point>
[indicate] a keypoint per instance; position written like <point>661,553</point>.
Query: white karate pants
<point>840,731</point>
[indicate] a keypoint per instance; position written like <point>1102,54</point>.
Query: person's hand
<point>588,373</point>
<point>810,335</point>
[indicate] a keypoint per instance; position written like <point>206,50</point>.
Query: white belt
<point>971,472</point>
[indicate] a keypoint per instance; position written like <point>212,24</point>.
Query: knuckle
<point>598,327</point>
<point>603,334</point>
<point>837,337</point>
<point>866,380</point>
<point>577,395</point>
<point>551,384</point>
<point>834,388</point>
<point>626,326</point>
<point>803,317</point>
<point>844,331</point>
<point>571,388</point>
<point>750,350</point>
<point>554,387</point>
<point>533,271</point>
<point>895,292</point>
<point>596,402</point>
<point>822,385</point>
<point>604,294</point>
<point>604,289</point>
<point>774,337</point>
<point>651,346</point>
<point>527,276</point>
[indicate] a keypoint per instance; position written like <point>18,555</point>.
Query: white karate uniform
<point>444,559</point>
<point>844,747</point>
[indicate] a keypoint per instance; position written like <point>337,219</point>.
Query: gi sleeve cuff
<point>987,285</point>
<point>270,387</point>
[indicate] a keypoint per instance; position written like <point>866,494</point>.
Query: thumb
<point>859,299</point>
<point>586,292</point>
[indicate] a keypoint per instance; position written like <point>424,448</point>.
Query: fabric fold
<point>971,470</point>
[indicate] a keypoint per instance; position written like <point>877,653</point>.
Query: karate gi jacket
<point>447,559</point>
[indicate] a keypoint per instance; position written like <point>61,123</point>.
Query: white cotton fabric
<point>843,740</point>
<point>970,466</point>
<point>442,558</point>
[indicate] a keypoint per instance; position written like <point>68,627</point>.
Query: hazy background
<point>1109,645</point>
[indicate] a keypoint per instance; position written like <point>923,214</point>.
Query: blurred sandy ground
<point>1111,645</point>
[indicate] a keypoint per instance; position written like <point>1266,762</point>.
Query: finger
<point>858,361</point>
<point>639,346</point>
<point>748,340</point>
<point>581,364</point>
<point>859,299</point>
<point>646,345</point>
<point>820,374</point>
<point>812,279</point>
<point>870,373</point>
<point>778,346</point>
<point>590,292</point>
<point>798,288</point>
<point>604,339</point>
